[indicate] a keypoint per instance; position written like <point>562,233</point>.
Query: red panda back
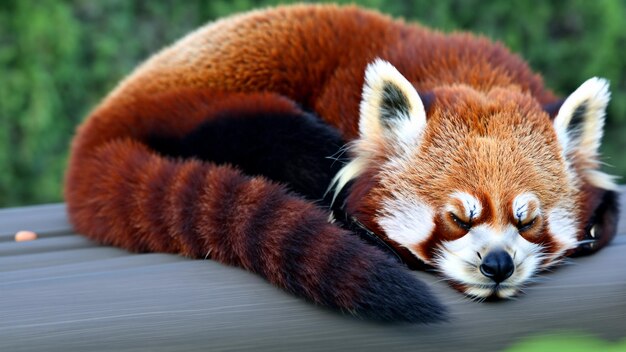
<point>316,56</point>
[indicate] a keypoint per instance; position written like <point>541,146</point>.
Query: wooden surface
<point>62,292</point>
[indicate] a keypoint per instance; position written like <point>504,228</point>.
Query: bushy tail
<point>120,192</point>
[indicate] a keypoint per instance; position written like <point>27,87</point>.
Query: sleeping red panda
<point>224,144</point>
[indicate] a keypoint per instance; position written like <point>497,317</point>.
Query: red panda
<point>456,157</point>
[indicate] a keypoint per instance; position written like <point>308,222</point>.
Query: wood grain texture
<point>66,293</point>
<point>46,220</point>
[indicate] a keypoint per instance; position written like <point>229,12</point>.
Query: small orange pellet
<point>22,236</point>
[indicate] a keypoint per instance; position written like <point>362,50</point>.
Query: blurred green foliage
<point>58,58</point>
<point>570,342</point>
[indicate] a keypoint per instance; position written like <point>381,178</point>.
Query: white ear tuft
<point>390,106</point>
<point>580,121</point>
<point>602,180</point>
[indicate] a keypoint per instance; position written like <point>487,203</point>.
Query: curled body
<point>451,151</point>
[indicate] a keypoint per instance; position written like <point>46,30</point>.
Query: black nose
<point>497,266</point>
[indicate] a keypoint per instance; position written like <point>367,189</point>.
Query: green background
<point>58,58</point>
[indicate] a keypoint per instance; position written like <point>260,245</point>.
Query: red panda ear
<point>392,118</point>
<point>391,109</point>
<point>579,127</point>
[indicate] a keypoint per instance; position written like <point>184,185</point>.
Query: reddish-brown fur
<point>122,193</point>
<point>310,54</point>
<point>316,55</point>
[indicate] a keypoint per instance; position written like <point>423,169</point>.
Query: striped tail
<point>121,192</point>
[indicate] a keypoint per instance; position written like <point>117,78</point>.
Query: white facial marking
<point>471,205</point>
<point>563,228</point>
<point>459,261</point>
<point>407,221</point>
<point>526,206</point>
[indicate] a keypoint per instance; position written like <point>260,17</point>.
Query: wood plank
<point>45,245</point>
<point>77,262</point>
<point>63,292</point>
<point>192,305</point>
<point>46,220</point>
<point>77,257</point>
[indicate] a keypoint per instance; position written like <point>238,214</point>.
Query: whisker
<point>339,154</point>
<point>482,299</point>
<point>467,262</point>
<point>514,298</point>
<point>591,240</point>
<point>443,279</point>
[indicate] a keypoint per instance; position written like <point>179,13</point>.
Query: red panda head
<point>482,185</point>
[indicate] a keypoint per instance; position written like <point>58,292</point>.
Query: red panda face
<point>487,189</point>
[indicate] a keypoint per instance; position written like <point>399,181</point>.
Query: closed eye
<point>462,224</point>
<point>521,227</point>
